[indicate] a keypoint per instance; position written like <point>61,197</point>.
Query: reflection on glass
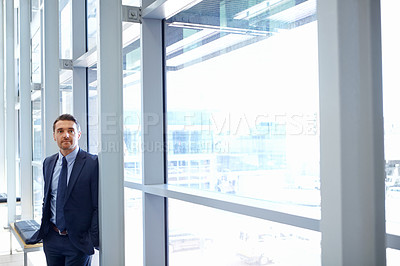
<point>66,91</point>
<point>225,238</point>
<point>132,103</point>
<point>242,99</point>
<point>93,113</point>
<point>91,13</point>
<point>133,227</point>
<point>65,18</point>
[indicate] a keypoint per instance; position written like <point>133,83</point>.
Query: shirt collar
<point>70,157</point>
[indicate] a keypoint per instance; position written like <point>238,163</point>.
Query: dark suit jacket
<point>81,203</point>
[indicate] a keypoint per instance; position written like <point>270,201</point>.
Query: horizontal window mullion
<point>245,206</point>
<point>393,241</point>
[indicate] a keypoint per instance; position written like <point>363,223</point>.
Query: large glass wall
<point>36,68</point>
<point>65,29</point>
<point>132,106</point>
<point>37,175</point>
<point>225,238</point>
<point>18,109</point>
<point>133,227</point>
<point>93,117</point>
<point>91,24</point>
<point>36,51</point>
<point>132,102</point>
<point>242,103</point>
<point>242,125</point>
<point>66,100</point>
<point>390,58</point>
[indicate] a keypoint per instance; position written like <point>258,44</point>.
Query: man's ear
<point>79,135</point>
<point>54,136</point>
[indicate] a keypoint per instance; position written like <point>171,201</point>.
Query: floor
<point>12,260</point>
<point>17,257</point>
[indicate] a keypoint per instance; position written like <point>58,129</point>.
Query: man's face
<point>67,135</point>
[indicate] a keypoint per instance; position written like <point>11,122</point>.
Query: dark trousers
<point>60,251</point>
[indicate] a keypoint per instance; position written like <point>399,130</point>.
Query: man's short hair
<point>66,117</point>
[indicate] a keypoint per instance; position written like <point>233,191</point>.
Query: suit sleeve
<point>95,203</point>
<point>46,184</point>
<point>44,180</point>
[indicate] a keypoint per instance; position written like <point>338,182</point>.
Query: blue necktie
<point>61,190</point>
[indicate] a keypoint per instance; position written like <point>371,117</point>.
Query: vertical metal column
<point>25,110</point>
<point>79,73</point>
<point>153,136</point>
<point>51,83</point>
<point>10,95</point>
<point>352,158</point>
<point>109,77</point>
<point>2,112</point>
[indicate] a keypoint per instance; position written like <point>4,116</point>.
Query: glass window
<point>391,109</point>
<point>390,57</point>
<point>91,23</point>
<point>65,25</point>
<point>93,111</point>
<point>132,141</point>
<point>36,42</point>
<point>37,174</point>
<point>133,227</point>
<point>131,2</point>
<point>18,108</point>
<point>132,102</point>
<point>226,238</point>
<point>36,126</point>
<point>66,98</point>
<point>38,187</point>
<point>392,257</point>
<point>242,100</point>
<point>18,155</point>
<point>36,54</point>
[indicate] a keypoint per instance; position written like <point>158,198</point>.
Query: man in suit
<point>69,227</point>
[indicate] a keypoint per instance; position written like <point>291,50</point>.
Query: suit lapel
<point>76,170</point>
